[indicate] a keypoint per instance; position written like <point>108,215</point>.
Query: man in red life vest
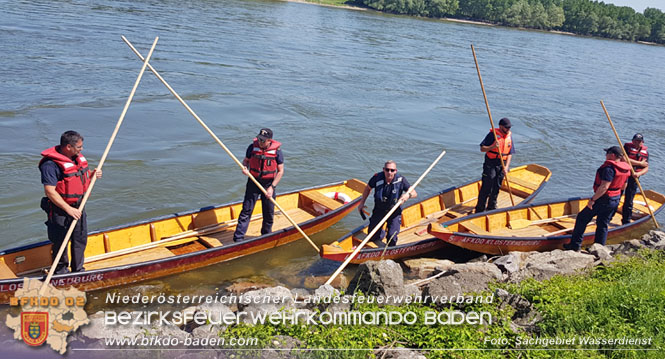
<point>66,177</point>
<point>492,172</point>
<point>638,156</point>
<point>265,161</point>
<point>610,181</point>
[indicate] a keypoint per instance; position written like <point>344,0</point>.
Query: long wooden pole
<point>385,218</point>
<point>189,109</point>
<point>632,170</point>
<point>63,246</point>
<point>496,139</point>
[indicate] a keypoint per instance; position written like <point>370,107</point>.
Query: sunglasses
<point>390,169</point>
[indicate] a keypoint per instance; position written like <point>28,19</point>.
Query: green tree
<point>441,8</point>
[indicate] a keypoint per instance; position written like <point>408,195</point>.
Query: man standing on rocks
<point>610,181</point>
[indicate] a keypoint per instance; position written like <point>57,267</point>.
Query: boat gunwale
<point>320,218</point>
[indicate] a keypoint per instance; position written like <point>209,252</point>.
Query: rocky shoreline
<point>428,278</point>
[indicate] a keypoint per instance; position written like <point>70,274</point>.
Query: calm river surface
<point>343,90</point>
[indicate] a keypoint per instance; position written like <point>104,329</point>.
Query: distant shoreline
<point>474,22</point>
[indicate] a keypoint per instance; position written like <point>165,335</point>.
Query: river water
<point>343,90</point>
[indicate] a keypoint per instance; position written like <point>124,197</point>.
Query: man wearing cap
<point>390,188</point>
<point>610,181</point>
<point>638,156</point>
<point>265,162</point>
<point>492,172</point>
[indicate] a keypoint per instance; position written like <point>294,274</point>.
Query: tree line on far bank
<point>583,17</point>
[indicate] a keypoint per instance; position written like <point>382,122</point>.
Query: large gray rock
<point>545,265</point>
<point>601,252</point>
<point>382,278</point>
<point>654,239</point>
<point>512,262</point>
<point>426,267</point>
<point>462,279</point>
<point>629,248</point>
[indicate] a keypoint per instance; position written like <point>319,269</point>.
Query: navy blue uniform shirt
<point>386,196</point>
<point>607,173</point>
<point>51,173</point>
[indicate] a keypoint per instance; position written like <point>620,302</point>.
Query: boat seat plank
<point>318,197</point>
<point>137,257</point>
<point>211,241</point>
<point>524,183</point>
<point>5,271</point>
<point>474,228</point>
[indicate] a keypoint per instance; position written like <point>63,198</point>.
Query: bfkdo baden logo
<point>48,316</point>
<point>34,327</point>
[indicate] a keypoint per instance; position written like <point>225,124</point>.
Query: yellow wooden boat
<point>455,202</point>
<point>180,242</point>
<point>550,226</point>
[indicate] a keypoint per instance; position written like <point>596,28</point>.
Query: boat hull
<point>132,273</point>
<point>505,243</point>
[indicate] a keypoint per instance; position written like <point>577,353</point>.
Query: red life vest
<point>76,176</point>
<point>505,144</point>
<point>636,154</point>
<point>263,163</point>
<point>621,174</point>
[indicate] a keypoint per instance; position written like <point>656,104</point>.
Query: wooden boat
<point>455,202</point>
<point>180,242</point>
<point>550,226</point>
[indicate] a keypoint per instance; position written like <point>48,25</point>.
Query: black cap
<point>264,134</point>
<point>505,122</point>
<point>615,150</point>
<point>638,136</point>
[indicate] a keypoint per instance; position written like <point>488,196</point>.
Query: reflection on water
<point>343,91</point>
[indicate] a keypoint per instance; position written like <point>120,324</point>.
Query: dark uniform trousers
<point>392,225</point>
<point>629,195</point>
<point>604,208</point>
<point>252,194</point>
<point>57,227</point>
<point>491,183</point>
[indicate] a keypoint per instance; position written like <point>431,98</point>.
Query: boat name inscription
<point>397,251</point>
<point>493,242</point>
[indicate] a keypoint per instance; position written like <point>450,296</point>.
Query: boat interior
<point>170,236</point>
<point>449,205</point>
<point>547,220</point>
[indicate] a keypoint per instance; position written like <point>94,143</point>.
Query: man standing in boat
<point>493,174</point>
<point>389,188</point>
<point>265,161</point>
<point>66,177</point>
<point>638,156</point>
<point>610,181</point>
